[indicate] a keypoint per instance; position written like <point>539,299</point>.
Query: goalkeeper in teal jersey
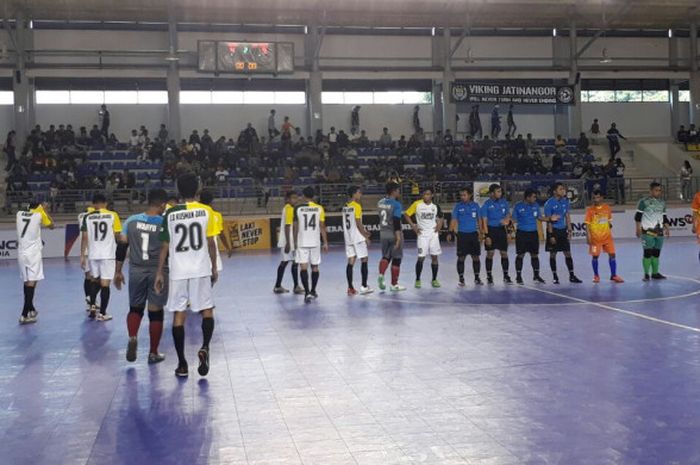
<point>652,227</point>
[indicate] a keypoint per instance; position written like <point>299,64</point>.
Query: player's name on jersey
<point>188,214</point>
<point>148,227</point>
<point>26,214</point>
<point>307,209</point>
<point>101,216</point>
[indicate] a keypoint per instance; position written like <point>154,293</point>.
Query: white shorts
<point>358,250</point>
<point>310,255</point>
<point>103,268</point>
<point>195,291</point>
<point>287,257</point>
<point>219,263</point>
<point>31,266</point>
<point>429,245</point>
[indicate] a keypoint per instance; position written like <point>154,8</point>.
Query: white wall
<point>6,122</point>
<point>398,118</point>
<point>633,119</point>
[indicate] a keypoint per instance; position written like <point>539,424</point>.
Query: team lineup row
<point>174,259</point>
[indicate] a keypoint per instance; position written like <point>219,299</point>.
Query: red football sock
<point>395,275</point>
<point>155,330</point>
<point>133,321</point>
<point>383,265</point>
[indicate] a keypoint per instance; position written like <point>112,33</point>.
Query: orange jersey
<point>696,213</point>
<point>598,221</point>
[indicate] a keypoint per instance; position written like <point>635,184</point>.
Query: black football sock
<point>104,299</point>
<point>304,275</point>
<point>570,264</point>
<point>434,268</point>
<point>280,273</point>
<point>87,286</point>
<point>179,340</point>
<point>314,280</point>
<point>460,268</point>
<point>28,300</point>
<point>489,265</point>
<point>94,290</point>
<point>476,266</point>
<point>207,331</point>
<point>535,261</point>
<point>295,274</point>
<point>553,264</point>
<point>419,269</point>
<point>364,270</point>
<point>505,265</point>
<point>348,275</point>
<point>518,265</point>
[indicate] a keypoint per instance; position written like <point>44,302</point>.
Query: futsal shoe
<point>397,288</point>
<point>436,284</point>
<point>182,371</point>
<point>574,279</point>
<point>93,312</point>
<point>155,358</point>
<point>33,314</point>
<point>555,279</point>
<point>617,279</point>
<point>203,355</point>
<point>299,290</point>
<point>280,290</point>
<point>489,279</point>
<point>314,295</point>
<point>596,279</point>
<point>352,291</point>
<point>418,284</point>
<point>646,277</point>
<point>478,282</point>
<point>658,276</point>
<point>26,320</point>
<point>461,282</point>
<point>364,290</point>
<point>538,279</point>
<point>380,282</point>
<point>308,299</point>
<point>132,349</point>
<point>519,280</point>
<point>507,280</point>
<point>103,317</point>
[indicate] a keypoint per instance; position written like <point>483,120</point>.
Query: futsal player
<point>599,235</point>
<point>29,258</point>
<point>696,217</point>
<point>285,243</point>
<point>87,282</point>
<point>391,236</point>
<point>556,212</point>
<point>526,215</point>
<point>356,240</point>
<point>140,238</point>
<point>207,198</point>
<point>188,240</point>
<point>427,226</point>
<point>100,230</point>
<point>652,226</point>
<point>309,231</point>
<point>464,223</point>
<point>495,217</point>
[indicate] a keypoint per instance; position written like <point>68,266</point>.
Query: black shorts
<point>527,242</point>
<point>499,238</point>
<point>562,241</point>
<point>468,244</point>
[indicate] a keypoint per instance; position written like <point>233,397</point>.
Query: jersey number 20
<point>194,233</point>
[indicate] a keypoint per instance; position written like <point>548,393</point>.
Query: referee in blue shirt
<point>526,214</point>
<point>556,212</point>
<point>465,224</point>
<point>495,217</point>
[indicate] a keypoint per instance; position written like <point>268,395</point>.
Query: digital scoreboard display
<point>245,57</point>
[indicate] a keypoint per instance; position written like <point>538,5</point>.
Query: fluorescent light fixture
<point>432,32</point>
<point>670,33</point>
<point>605,58</point>
<point>554,32</point>
<point>172,55</point>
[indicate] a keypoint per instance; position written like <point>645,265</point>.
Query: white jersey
<point>286,219</point>
<point>427,216</point>
<point>187,228</point>
<point>309,217</point>
<point>352,211</point>
<point>81,217</point>
<point>29,223</point>
<point>100,227</point>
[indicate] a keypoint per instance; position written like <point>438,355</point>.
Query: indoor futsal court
<point>505,375</point>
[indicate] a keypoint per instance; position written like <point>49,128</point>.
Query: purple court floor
<point>569,374</point>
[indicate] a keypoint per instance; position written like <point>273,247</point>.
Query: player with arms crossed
<point>188,240</point>
<point>599,235</point>
<point>526,214</point>
<point>141,239</point>
<point>652,226</point>
<point>29,259</point>
<point>391,237</point>
<point>87,282</point>
<point>466,216</point>
<point>356,240</point>
<point>285,243</point>
<point>427,227</point>
<point>309,229</point>
<point>558,218</point>
<point>100,229</point>
<point>495,218</point>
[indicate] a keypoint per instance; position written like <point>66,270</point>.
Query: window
<point>601,95</point>
<point>628,96</point>
<point>416,98</point>
<point>226,97</point>
<point>258,98</point>
<point>52,97</point>
<point>358,98</point>
<point>379,97</point>
<point>391,98</point>
<point>655,96</point>
<point>332,98</point>
<point>290,98</point>
<point>7,97</point>
<point>145,97</point>
<point>121,97</point>
<point>87,97</point>
<point>201,97</point>
<point>684,96</point>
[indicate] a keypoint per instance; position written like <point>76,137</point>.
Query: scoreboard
<point>236,57</point>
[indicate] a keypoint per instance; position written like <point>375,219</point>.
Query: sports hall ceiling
<point>617,14</point>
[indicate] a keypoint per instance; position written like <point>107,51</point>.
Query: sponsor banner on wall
<point>481,191</point>
<point>248,233</point>
<point>517,91</point>
<point>57,243</point>
<point>624,226</point>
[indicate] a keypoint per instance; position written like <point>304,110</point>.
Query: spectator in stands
<point>355,118</point>
<point>614,137</point>
<point>437,138</point>
<point>105,120</point>
<point>416,118</point>
<point>385,140</point>
<point>134,139</point>
<point>495,123</point>
<point>475,122</point>
<point>194,138</point>
<point>272,131</point>
<point>595,131</point>
<point>332,139</point>
<point>163,134</point>
<point>206,142</point>
<point>297,138</point>
<point>96,135</point>
<point>343,140</point>
<point>693,135</point>
<point>682,135</point>
<point>510,121</point>
<point>557,162</point>
<point>560,144</point>
<point>250,138</point>
<point>10,149</point>
<point>112,141</point>
<point>363,141</point>
<point>519,144</point>
<point>583,145</point>
<point>615,170</point>
<point>686,176</point>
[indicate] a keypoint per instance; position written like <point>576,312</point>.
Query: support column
<point>675,108</point>
<point>314,85</point>
<point>173,78</point>
<point>694,75</point>
<point>575,109</point>
<point>449,109</point>
<point>21,86</point>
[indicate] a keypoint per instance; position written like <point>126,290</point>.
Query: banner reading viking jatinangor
<point>522,92</point>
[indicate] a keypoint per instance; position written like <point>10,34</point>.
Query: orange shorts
<point>596,248</point>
